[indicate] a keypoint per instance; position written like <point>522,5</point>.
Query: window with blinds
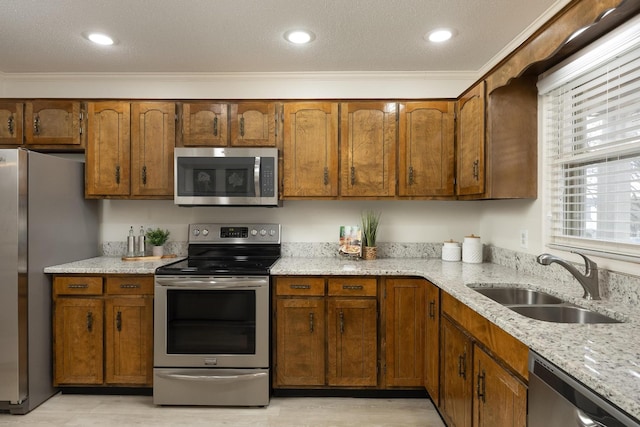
<point>591,135</point>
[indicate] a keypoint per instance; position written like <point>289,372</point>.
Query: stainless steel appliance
<point>237,176</point>
<point>44,220</point>
<point>557,399</point>
<point>211,318</point>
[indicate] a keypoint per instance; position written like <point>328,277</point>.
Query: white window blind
<point>591,134</point>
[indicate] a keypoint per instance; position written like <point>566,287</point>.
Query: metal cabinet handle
<point>353,175</point>
<point>311,322</point>
<point>215,126</point>
<point>432,309</point>
<point>144,175</point>
<point>326,175</point>
<point>353,287</point>
<point>10,125</point>
<point>117,174</point>
<point>129,286</point>
<point>410,175</point>
<point>242,126</point>
<point>462,368</point>
<point>341,322</point>
<point>78,286</point>
<point>119,321</point>
<point>36,125</point>
<point>476,169</point>
<point>482,387</point>
<point>300,286</point>
<point>89,321</point>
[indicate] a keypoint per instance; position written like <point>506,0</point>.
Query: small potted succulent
<point>370,222</point>
<point>157,238</point>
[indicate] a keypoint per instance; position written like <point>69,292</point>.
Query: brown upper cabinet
<point>204,124</point>
<point>130,150</point>
<point>11,124</point>
<point>54,124</point>
<point>310,149</point>
<point>426,149</point>
<point>368,149</point>
<point>471,141</point>
<point>254,124</point>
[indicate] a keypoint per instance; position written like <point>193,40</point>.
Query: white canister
<point>451,251</point>
<point>472,249</point>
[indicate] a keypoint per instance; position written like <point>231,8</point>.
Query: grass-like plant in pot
<point>370,222</point>
<point>157,238</point>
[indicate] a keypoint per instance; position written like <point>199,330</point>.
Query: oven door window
<point>216,176</point>
<point>211,322</point>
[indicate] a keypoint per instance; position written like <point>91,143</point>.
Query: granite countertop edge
<point>604,357</point>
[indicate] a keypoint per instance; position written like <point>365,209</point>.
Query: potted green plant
<point>370,222</point>
<point>157,238</point>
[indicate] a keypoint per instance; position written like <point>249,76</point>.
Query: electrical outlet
<point>524,239</point>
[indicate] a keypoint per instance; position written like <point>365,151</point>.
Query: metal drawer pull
<point>476,170</point>
<point>119,321</point>
<point>36,125</point>
<point>117,174</point>
<point>432,309</point>
<point>326,175</point>
<point>78,286</point>
<point>221,378</point>
<point>353,175</point>
<point>89,321</point>
<point>242,127</point>
<point>341,322</point>
<point>129,286</point>
<point>353,287</point>
<point>482,387</point>
<point>462,369</point>
<point>300,286</point>
<point>215,126</point>
<point>311,322</point>
<point>410,175</point>
<point>10,125</point>
<point>144,175</point>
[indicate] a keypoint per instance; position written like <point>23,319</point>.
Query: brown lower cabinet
<point>483,371</point>
<point>103,330</point>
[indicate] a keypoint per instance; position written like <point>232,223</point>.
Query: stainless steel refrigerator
<point>44,220</point>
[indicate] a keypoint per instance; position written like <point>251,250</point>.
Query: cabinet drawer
<point>357,287</point>
<point>77,285</point>
<point>130,285</point>
<point>300,286</point>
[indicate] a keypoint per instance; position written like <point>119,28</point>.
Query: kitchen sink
<point>541,305</point>
<point>562,314</point>
<point>518,296</point>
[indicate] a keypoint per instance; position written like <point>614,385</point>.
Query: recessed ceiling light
<point>299,36</point>
<point>100,38</point>
<point>440,35</point>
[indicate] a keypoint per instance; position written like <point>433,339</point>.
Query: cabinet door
<point>107,169</point>
<point>204,124</point>
<point>78,328</point>
<point>426,155</point>
<point>499,399</point>
<point>368,153</point>
<point>456,375</point>
<point>404,332</point>
<point>432,342</point>
<point>253,124</point>
<point>352,342</point>
<point>310,149</point>
<point>53,123</point>
<point>153,136</point>
<point>11,123</point>
<point>129,340</point>
<point>300,346</point>
<point>471,141</point>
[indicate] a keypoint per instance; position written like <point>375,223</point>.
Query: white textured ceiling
<point>212,36</point>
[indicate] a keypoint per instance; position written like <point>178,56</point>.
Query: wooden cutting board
<point>147,258</point>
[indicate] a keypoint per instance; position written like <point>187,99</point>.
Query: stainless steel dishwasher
<point>557,399</point>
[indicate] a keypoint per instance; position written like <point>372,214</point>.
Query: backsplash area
<point>618,287</point>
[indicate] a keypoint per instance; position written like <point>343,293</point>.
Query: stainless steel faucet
<point>588,280</point>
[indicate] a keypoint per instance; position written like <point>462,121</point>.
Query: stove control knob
<point>205,232</point>
<point>254,232</point>
<point>272,232</point>
<point>263,232</point>
<point>196,232</point>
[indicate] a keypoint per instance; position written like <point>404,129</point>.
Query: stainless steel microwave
<point>235,176</point>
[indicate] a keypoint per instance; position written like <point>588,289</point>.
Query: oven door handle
<point>217,378</point>
<point>213,284</point>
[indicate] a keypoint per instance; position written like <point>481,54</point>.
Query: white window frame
<point>556,188</point>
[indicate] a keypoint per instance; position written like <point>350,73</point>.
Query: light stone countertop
<point>605,357</point>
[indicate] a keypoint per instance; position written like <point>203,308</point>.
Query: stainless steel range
<point>211,318</point>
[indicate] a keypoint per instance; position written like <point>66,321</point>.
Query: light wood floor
<point>121,411</point>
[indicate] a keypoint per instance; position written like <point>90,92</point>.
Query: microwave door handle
<point>256,176</point>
